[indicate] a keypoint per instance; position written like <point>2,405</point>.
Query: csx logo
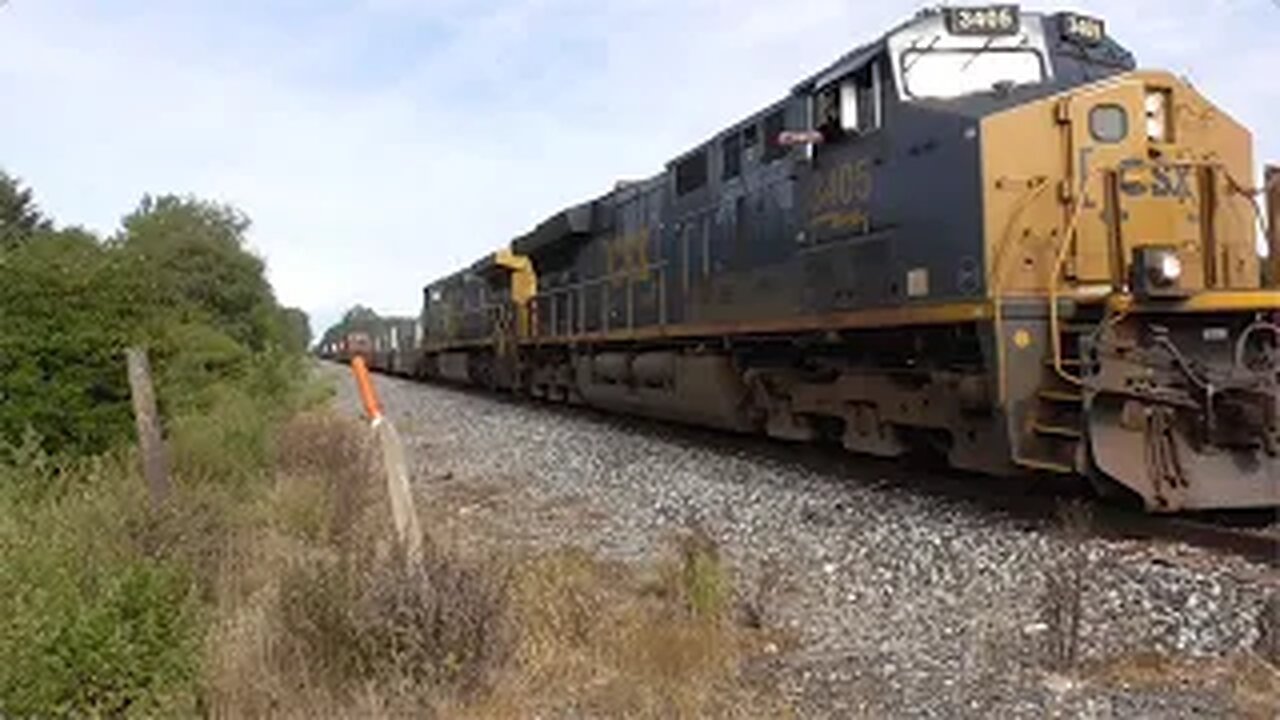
<point>627,257</point>
<point>1159,181</point>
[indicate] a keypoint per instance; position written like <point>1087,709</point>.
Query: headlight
<point>1169,270</point>
<point>1156,270</point>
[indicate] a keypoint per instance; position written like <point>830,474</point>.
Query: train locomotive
<point>984,235</point>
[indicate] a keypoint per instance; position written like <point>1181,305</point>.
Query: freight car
<point>986,234</point>
<point>343,347</point>
<point>389,339</point>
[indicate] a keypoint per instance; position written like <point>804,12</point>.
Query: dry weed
<point>606,640</point>
<point>320,617</point>
<point>1063,601</point>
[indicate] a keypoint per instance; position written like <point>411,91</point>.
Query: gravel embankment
<point>897,599</point>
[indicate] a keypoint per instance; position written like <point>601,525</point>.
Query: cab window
<point>851,106</point>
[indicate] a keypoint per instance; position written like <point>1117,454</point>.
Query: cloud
<point>378,144</point>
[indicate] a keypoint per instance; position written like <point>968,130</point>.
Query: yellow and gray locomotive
<point>985,234</point>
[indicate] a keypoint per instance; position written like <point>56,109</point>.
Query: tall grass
<point>89,622</point>
<point>104,605</point>
<point>344,626</point>
<point>271,585</point>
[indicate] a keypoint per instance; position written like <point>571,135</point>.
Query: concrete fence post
<point>155,463</point>
<point>404,514</point>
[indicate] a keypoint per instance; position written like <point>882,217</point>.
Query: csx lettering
<point>627,257</point>
<point>1165,180</point>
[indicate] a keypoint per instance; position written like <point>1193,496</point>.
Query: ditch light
<point>1156,272</point>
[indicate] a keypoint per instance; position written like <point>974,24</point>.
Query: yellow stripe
<point>886,317</point>
<point>1204,302</point>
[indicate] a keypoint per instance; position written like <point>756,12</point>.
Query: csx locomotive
<point>985,235</point>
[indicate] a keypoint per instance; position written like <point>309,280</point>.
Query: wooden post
<point>155,465</point>
<point>1273,225</point>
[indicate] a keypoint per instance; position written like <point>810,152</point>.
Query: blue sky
<point>378,144</point>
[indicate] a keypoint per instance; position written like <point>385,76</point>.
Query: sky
<point>380,144</point>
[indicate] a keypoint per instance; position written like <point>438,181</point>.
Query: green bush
<point>88,624</point>
<point>66,319</point>
<point>103,603</point>
<point>177,281</point>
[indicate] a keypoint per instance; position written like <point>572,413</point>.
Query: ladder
<point>1053,431</point>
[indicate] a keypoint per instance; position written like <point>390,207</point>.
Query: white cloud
<point>371,167</point>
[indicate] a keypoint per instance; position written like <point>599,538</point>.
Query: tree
<point>359,316</point>
<point>67,314</point>
<point>357,319</point>
<point>177,280</point>
<point>297,329</point>
<point>20,218</point>
<point>192,256</point>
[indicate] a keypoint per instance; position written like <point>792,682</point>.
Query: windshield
<point>953,72</point>
<point>936,59</point>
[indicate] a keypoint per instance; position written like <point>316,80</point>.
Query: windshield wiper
<point>1023,42</point>
<point>920,51</point>
<point>985,47</point>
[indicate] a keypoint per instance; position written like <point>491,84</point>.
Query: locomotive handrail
<point>1072,226</point>
<point>1060,259</point>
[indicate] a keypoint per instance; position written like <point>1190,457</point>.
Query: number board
<point>1083,29</point>
<point>988,20</point>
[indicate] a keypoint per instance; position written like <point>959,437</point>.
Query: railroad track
<point>1253,535</point>
<point>1245,535</point>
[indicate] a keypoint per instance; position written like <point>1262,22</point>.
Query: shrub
<point>88,625</point>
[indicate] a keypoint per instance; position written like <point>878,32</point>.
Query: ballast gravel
<point>896,597</point>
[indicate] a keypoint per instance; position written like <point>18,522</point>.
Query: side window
<point>731,156</point>
<point>691,173</point>
<point>774,124</point>
<point>852,106</point>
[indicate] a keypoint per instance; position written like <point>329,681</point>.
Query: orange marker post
<point>404,515</point>
<point>367,394</point>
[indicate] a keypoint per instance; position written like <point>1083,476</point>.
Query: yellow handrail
<point>1060,259</point>
<point>1061,256</point>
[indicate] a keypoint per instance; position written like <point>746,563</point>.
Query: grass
<point>104,604</point>
<point>271,587</point>
<point>341,626</point>
<point>92,624</point>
